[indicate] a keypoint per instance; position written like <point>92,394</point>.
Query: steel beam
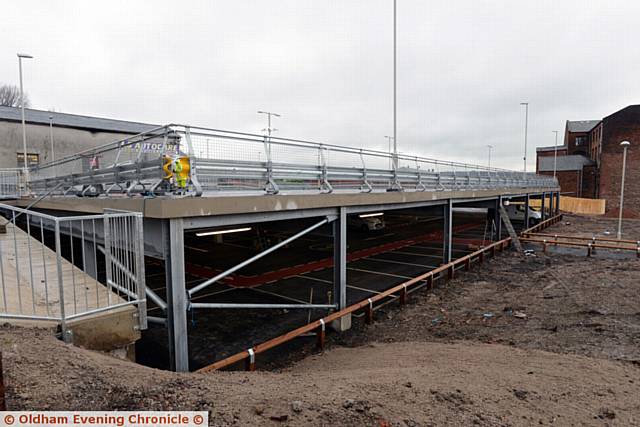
<point>448,231</point>
<point>176,295</point>
<point>254,218</point>
<point>340,259</point>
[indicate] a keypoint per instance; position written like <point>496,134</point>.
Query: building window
<point>33,159</point>
<point>581,140</point>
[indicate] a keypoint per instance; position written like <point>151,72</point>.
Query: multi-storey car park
<point>215,243</point>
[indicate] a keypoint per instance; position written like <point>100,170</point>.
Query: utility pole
<point>555,154</point>
<point>526,130</point>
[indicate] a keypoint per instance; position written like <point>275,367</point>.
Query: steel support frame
<point>448,231</point>
<point>340,259</point>
<point>173,236</point>
<point>543,207</point>
<point>497,219</point>
<point>526,211</point>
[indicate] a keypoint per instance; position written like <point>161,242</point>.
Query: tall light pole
<point>555,154</point>
<point>625,145</point>
<point>269,114</point>
<point>22,56</point>
<point>389,139</point>
<point>526,129</point>
<point>395,120</point>
<point>489,147</point>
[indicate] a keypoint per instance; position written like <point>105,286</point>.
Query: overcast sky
<point>326,66</point>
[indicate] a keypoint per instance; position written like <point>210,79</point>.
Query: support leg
<point>497,219</point>
<point>340,268</point>
<point>526,211</point>
<point>542,207</point>
<point>448,220</point>
<point>173,234</point>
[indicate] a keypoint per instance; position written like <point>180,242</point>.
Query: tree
<point>10,96</point>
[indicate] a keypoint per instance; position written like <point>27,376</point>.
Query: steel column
<point>173,235</point>
<point>557,206</point>
<point>526,211</point>
<point>497,219</point>
<point>542,207</point>
<point>89,258</point>
<point>340,259</point>
<point>448,230</point>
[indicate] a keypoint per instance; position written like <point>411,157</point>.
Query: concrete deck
<point>213,204</point>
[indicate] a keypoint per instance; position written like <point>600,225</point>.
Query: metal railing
<point>65,268</point>
<point>222,161</point>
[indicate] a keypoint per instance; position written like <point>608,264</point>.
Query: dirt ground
<point>537,340</point>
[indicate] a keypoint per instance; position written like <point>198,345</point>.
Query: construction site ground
<point>546,339</point>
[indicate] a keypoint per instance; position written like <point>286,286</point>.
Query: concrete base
<point>106,331</point>
<point>342,324</point>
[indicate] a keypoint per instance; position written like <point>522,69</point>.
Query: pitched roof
<point>564,163</point>
<point>13,114</point>
<point>581,125</point>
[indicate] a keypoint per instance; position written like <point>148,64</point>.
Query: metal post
<point>557,205</point>
<point>526,211</point>
<point>625,145</point>
<point>542,207</point>
<point>24,126</point>
<point>447,235</point>
<point>555,154</point>
<point>526,130</point>
<point>340,259</point>
<point>173,236</point>
<point>395,92</point>
<point>498,219</point>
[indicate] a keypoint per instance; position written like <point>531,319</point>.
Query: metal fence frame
<point>63,275</point>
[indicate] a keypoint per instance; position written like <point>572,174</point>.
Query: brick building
<point>589,163</point>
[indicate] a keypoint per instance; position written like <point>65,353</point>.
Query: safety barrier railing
<point>65,268</point>
<point>10,183</point>
<point>399,292</point>
<point>231,161</point>
<point>179,159</point>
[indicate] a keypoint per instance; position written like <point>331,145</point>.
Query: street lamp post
<point>625,146</point>
<point>269,114</point>
<point>489,147</point>
<point>526,129</point>
<point>555,154</point>
<point>389,139</point>
<point>395,92</point>
<point>22,56</point>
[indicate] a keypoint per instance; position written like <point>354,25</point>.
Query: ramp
<point>55,271</point>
